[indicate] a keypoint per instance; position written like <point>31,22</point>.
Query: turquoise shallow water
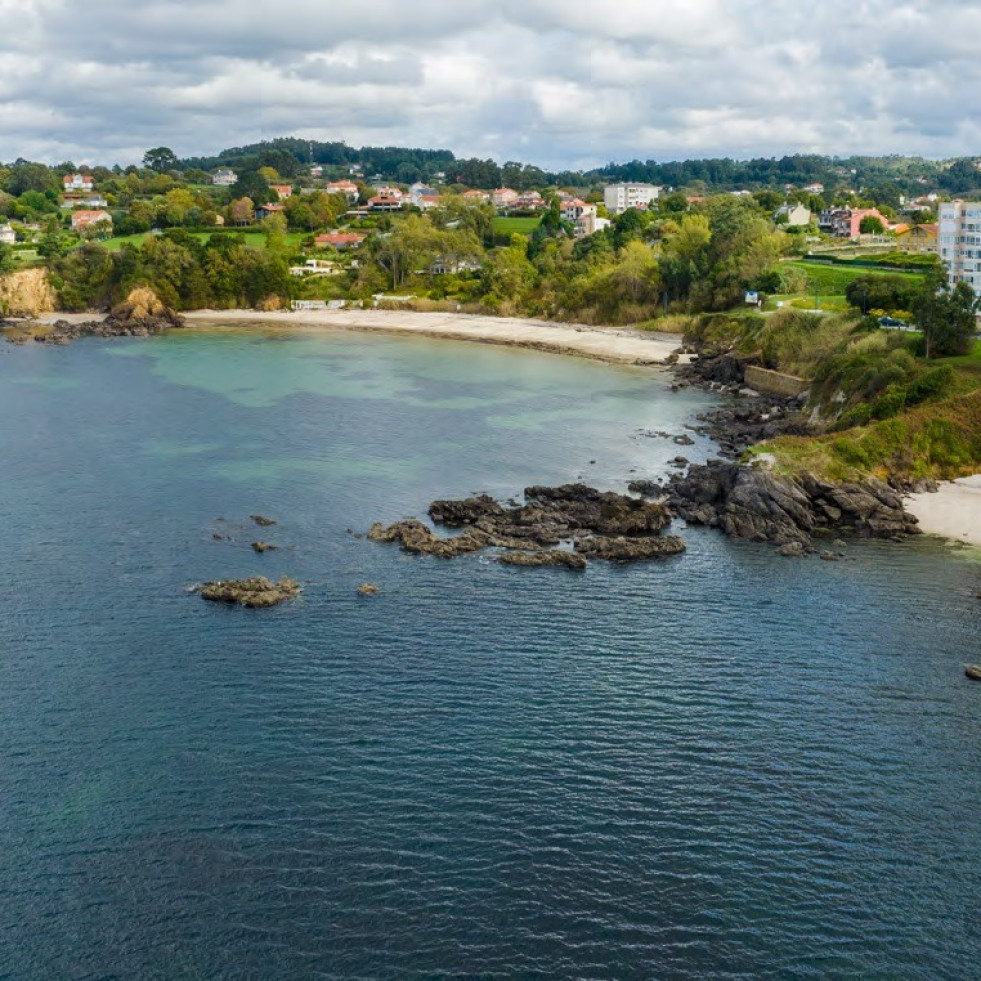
<point>729,765</point>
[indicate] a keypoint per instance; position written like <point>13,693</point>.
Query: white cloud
<point>555,82</point>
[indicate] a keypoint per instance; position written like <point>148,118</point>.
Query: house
<point>475,197</point>
<point>589,224</point>
<point>504,197</point>
<point>386,202</point>
<point>917,238</point>
<point>266,210</point>
<point>454,265</point>
<point>78,182</point>
<point>575,209</point>
<point>83,219</point>
<point>619,198</point>
<point>795,214</point>
<point>224,177</point>
<point>339,240</point>
<point>7,235</point>
<point>283,191</point>
<point>529,201</point>
<point>847,222</point>
<point>815,188</point>
<point>346,187</point>
<point>418,190</point>
<point>317,171</point>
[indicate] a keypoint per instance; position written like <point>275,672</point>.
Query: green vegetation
<point>515,226</point>
<point>827,279</point>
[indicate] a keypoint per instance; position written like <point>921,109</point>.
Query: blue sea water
<point>729,765</point>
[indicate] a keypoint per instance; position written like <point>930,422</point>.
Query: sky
<point>558,83</point>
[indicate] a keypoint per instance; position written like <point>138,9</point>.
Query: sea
<point>724,765</point>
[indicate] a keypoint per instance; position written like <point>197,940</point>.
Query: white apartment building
<point>619,198</point>
<point>959,242</point>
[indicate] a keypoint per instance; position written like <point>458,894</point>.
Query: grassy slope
<point>831,280</point>
<point>937,439</point>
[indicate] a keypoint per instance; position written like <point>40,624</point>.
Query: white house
<point>7,235</point>
<point>796,214</point>
<point>576,208</point>
<point>224,177</point>
<point>619,198</point>
<point>78,182</point>
<point>589,224</point>
<point>504,197</point>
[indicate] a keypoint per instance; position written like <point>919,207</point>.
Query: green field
<point>251,238</point>
<point>828,280</point>
<point>515,226</point>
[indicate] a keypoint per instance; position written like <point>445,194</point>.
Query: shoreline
<point>612,344</point>
<point>953,512</point>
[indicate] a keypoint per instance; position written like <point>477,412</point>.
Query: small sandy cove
<point>621,345</point>
<point>954,511</point>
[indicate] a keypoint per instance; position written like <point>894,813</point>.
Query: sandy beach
<point>954,511</point>
<point>621,345</point>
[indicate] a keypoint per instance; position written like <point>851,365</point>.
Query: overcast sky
<point>554,82</point>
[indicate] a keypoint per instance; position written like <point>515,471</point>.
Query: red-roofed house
<point>86,219</point>
<point>476,196</point>
<point>504,197</point>
<point>339,240</point>
<point>283,191</point>
<point>78,182</point>
<point>385,202</point>
<point>343,187</point>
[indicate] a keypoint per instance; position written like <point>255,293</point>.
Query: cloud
<point>554,82</point>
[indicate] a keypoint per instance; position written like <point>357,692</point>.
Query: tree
<point>7,259</point>
<point>946,316</point>
<point>242,211</point>
<point>871,225</point>
<point>161,158</point>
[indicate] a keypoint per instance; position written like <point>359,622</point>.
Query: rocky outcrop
<point>753,503</point>
<point>257,592</point>
<point>545,557</point>
<point>368,589</point>
<point>622,549</point>
<point>119,323</point>
<point>264,547</point>
<point>262,521</point>
<point>600,524</point>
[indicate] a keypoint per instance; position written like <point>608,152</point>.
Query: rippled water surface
<point>726,765</point>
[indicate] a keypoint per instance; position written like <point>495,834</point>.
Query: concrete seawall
<point>775,383</point>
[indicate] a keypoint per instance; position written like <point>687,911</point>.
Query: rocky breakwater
<point>751,502</point>
<point>598,524</point>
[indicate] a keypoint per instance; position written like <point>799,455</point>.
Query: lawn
<point>515,226</point>
<point>251,238</point>
<point>828,280</point>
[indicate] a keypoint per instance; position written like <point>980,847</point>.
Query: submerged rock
<point>368,589</point>
<point>256,592</point>
<point>261,520</point>
<point>973,671</point>
<point>264,547</point>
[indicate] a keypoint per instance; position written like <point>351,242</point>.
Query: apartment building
<point>959,241</point>
<point>619,198</point>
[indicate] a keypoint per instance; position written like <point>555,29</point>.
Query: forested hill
<point>290,155</point>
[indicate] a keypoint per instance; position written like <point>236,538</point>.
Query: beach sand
<point>622,345</point>
<point>954,511</point>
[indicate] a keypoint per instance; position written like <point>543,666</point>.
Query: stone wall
<point>774,382</point>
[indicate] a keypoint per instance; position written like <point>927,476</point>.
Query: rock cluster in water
<point>119,323</point>
<point>257,592</point>
<point>599,524</point>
